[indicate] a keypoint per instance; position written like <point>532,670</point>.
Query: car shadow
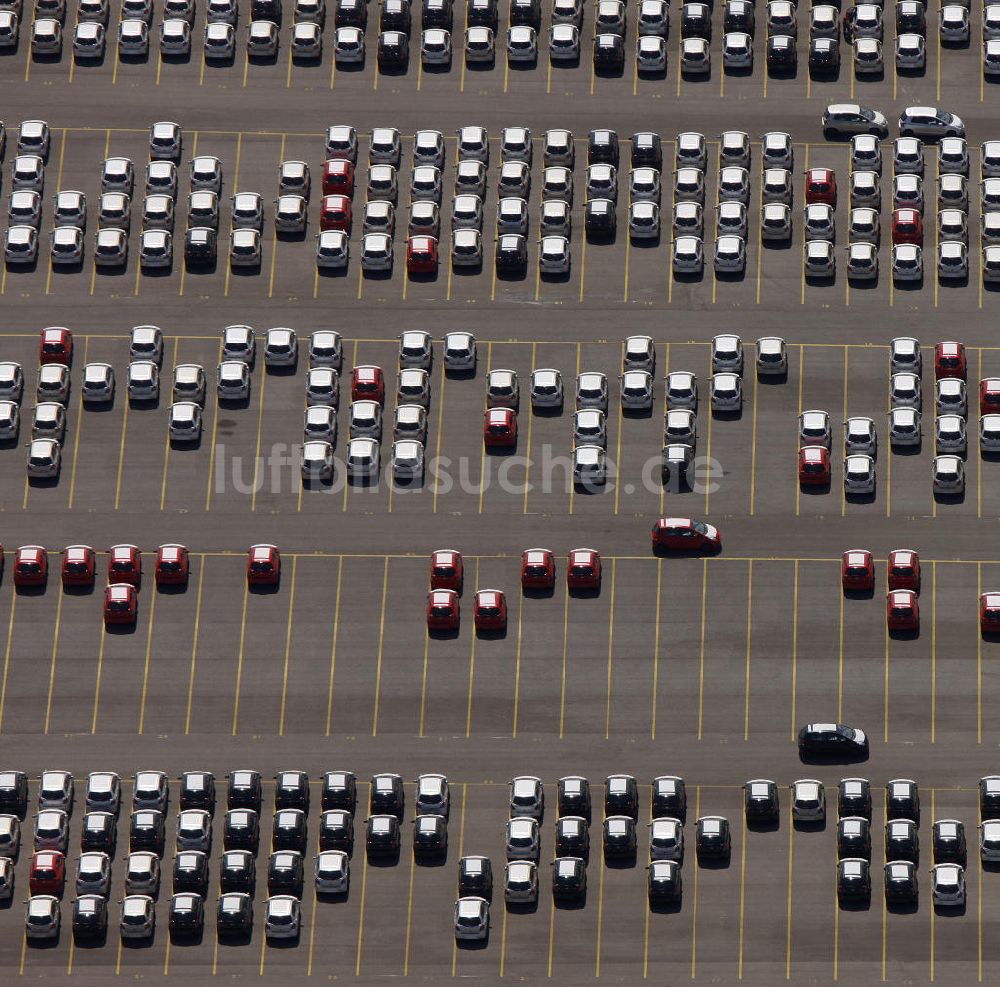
<point>901,907</point>
<point>521,907</point>
<point>29,268</point>
<point>737,71</point>
<point>859,594</point>
<point>473,945</point>
<point>201,268</point>
<point>814,489</point>
<point>466,270</point>
<point>180,938</point>
<point>689,277</point>
<point>171,589</point>
<point>491,634</point>
<point>335,897</point>
<point>715,863</point>
<point>727,416</point>
<point>121,630</point>
<point>383,860</point>
<point>914,285</point>
<point>288,370</point>
<point>962,282</point>
<point>581,593</point>
<point>182,445</point>
<point>264,589</point>
<point>949,498</point>
<point>842,757</point>
<point>732,277</point>
<point>566,904</point>
<point>785,73</point>
<point>764,825</point>
<point>423,277</point>
<point>146,942</point>
<point>561,277</point>
<point>645,242</point>
<point>176,58</point>
<point>31,590</point>
<point>863,284</point>
<point>72,590</point>
<point>666,907</point>
<point>539,592</point>
<point>809,825</point>
<point>621,863</point>
<point>908,72</point>
<point>854,904</point>
<point>234,938</point>
<point>826,75</point>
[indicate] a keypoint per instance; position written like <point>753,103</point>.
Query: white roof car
<point>428,148</point>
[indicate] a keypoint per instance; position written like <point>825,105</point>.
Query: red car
<point>125,565</point>
<point>443,610</point>
<point>538,569</point>
<point>814,466</point>
<point>821,186</point>
<point>79,565</point>
<point>857,571</point>
<point>263,565</point>
<point>989,613</point>
<point>904,569</point>
<point>989,395</point>
<point>335,213</point>
<point>56,346</point>
<point>684,534</point>
<point>907,227</point>
<point>368,384</point>
<point>121,604</point>
<point>48,872</point>
<point>902,612</point>
<point>500,428</point>
<point>31,566</point>
<point>490,610</point>
<point>338,178</point>
<point>949,360</point>
<point>583,569</point>
<point>446,570</point>
<point>172,565</point>
<point>422,255</point>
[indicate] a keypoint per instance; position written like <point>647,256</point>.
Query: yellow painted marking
<point>263,953</point>
<point>795,639</point>
<point>246,71</point>
<point>979,664</point>
<point>506,74</point>
<point>743,879</point>
<point>239,659</point>
<point>76,437</point>
<point>288,74</point>
<point>159,67</point>
<point>503,942</point>
<point>69,961</point>
<point>211,447</point>
<point>52,663</point>
<point>517,669</point>
<point>694,896</point>
<point>24,946</point>
<point>885,691</point>
<point>257,480</point>
<point>840,664</point>
<point>628,251</point>
<point>121,455</point>
<point>354,363</point>
<point>423,681</point>
<point>381,638</point>
<point>6,658</point>
<point>548,89</point>
<point>166,444</point>
<point>933,653</point>
<point>583,265</point>
<point>932,909</point>
<point>552,933</point>
<point>593,76</point>
<point>461,85</point>
<point>760,238</point>
<point>312,933</point>
<point>97,687</point>
<point>27,77</point>
<point>746,663</point>
<point>753,448</point>
<point>938,73</point>
<point>656,662</point>
<point>166,958</point>
<point>701,648</point>
<point>409,916</point>
<point>288,651</point>
<point>679,46</point>
<point>440,426</point>
<point>62,155</point>
<point>333,646</point>
<point>472,671</point>
<point>843,498</point>
<point>600,921</point>
<point>803,277</point>
<point>788,906</point>
<point>527,454</point>
<point>618,457</point>
<point>194,647</point>
<point>114,74</point>
<point>611,633</point>
<point>201,70</point>
<point>145,667</point>
<point>802,358</point>
<point>562,688</point>
<point>979,917</point>
<point>461,851</point>
<point>666,370</point>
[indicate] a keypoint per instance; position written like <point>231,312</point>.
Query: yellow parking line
<point>288,75</point>
<point>938,73</point>
<point>885,691</point>
<point>840,664</point>
<point>527,454</point>
<point>795,639</point>
<point>746,663</point>
<point>979,663</point>
<point>694,896</point>
<point>552,934</point>
<point>788,905</point>
<point>121,455</point>
<point>517,668</point>
<point>76,437</point>
<point>114,74</point>
<point>354,363</point>
<point>312,933</point>
<point>246,71</point>
<point>361,913</point>
<point>423,680</point>
<point>69,961</point>
<point>159,67</point>
<point>333,647</point>
<point>381,638</point>
<point>656,654</point>
<point>932,909</point>
<point>263,954</point>
<point>239,659</point>
<point>288,650</point>
<point>843,497</point>
<point>753,447</point>
<point>937,176</point>
<point>472,671</point>
<point>482,455</point>
<point>548,88</point>
<point>503,940</point>
<point>933,652</point>
<point>618,457</point>
<point>803,276</point>
<point>166,443</point>
<point>6,657</point>
<point>600,921</point>
<point>798,486</point>
<point>760,238</point>
<point>743,877</point>
<point>583,265</point>
<point>145,667</point>
<point>260,426</point>
<point>201,70</point>
<point>979,916</point>
<point>194,646</point>
<point>62,155</point>
<point>461,84</point>
<point>97,686</point>
<point>506,76</point>
<point>52,663</point>
<point>211,447</point>
<point>701,647</point>
<point>440,426</point>
<point>611,638</point>
<point>679,47</point>
<point>628,251</point>
<point>409,916</point>
<point>562,688</point>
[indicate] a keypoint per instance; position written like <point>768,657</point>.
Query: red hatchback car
<point>814,466</point>
<point>263,565</point>
<point>447,570</point>
<point>583,569</point>
<point>490,610</point>
<point>902,611</point>
<point>125,565</point>
<point>422,255</point>
<point>368,384</point>
<point>684,534</point>
<point>821,186</point>
<point>173,565</point>
<point>56,346</point>
<point>904,569</point>
<point>500,428</point>
<point>989,613</point>
<point>443,610</point>
<point>335,213</point>
<point>338,178</point>
<point>907,227</point>
<point>48,872</point>
<point>857,570</point>
<point>538,569</point>
<point>31,566</point>
<point>121,604</point>
<point>949,360</point>
<point>989,395</point>
<point>79,565</point>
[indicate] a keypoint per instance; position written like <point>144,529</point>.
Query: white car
<point>48,421</point>
<point>908,155</point>
<point>410,422</point>
<point>158,212</point>
<point>220,41</point>
<point>245,248</point>
<point>688,255</point>
<point>282,917</point>
<point>682,390</point>
<point>546,389</point>
<point>333,872</point>
<point>21,245</point>
<point>953,224</point>
<point>590,428</point>
<point>911,53</point>
<point>772,356</point>
<point>11,381</point>
<point>907,262</point>
<point>376,252</point>
<point>435,46</point>
<point>111,247</point>
<point>88,39</point>
<point>821,259</point>
<point>859,474</point>
<point>44,458</point>
<point>460,351</point>
<point>290,214</point>
<point>737,50</point>
<point>775,222</point>
<point>319,422</point>
<point>480,45</point>
<point>185,421</point>
<point>727,392</point>
<point>362,459</point>
<point>730,254</point>
<point>860,437</point>
<point>808,801</point>
<point>953,260</point>
<point>865,226</point>
<point>322,386</point>
<point>592,390</point>
<point>366,420</point>
<point>862,261</point>
<point>233,381</point>
<point>727,353</point>
<point>644,220</point>
<point>554,255</point>
<point>680,427</point>
<point>143,380</point>
<point>98,383</point>
<point>776,186</point>
<point>590,467</point>
<point>175,37</point>
<point>281,348</point>
<point>522,44</point>
<point>156,248</point>
<point>46,36</point>
<point>953,191</point>
<point>564,43</point>
<point>651,54</point>
<point>317,461</point>
<point>991,263</point>
<point>472,918</point>
<point>408,460</point>
<point>307,40</point>
<point>904,390</point>
<point>989,433</point>
<point>950,434</point>
<point>689,185</point>
<point>904,427</point>
<point>10,420</point>
<point>948,475</point>
<point>161,176</point>
<point>43,918</point>
<point>637,390</point>
<point>689,219</point>
<point>133,37</point>
<point>333,249</point>
<point>814,429</point>
<point>951,396</point>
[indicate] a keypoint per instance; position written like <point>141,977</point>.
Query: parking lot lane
<point>624,915</point>
<point>444,676</point>
<point>909,699</point>
<point>547,433</point>
<point>954,671</point>
<point>818,641</point>
<point>24,687</point>
<point>776,462</point>
<point>761,858</point>
<point>13,456</point>
<point>865,655</point>
<point>810,942</point>
<point>382,949</point>
<point>639,455</point>
<point>822,389</point>
<point>294,264</point>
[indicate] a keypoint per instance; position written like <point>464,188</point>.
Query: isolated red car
<point>490,610</point>
<point>684,534</point>
<point>335,213</point>
<point>173,565</point>
<point>904,569</point>
<point>56,346</point>
<point>263,565</point>
<point>500,428</point>
<point>121,604</point>
<point>538,569</point>
<point>907,227</point>
<point>821,186</point>
<point>368,384</point>
<point>48,872</point>
<point>902,611</point>
<point>443,610</point>
<point>583,569</point>
<point>422,255</point>
<point>338,178</point>
<point>989,395</point>
<point>79,565</point>
<point>125,565</point>
<point>989,613</point>
<point>447,570</point>
<point>814,466</point>
<point>31,566</point>
<point>949,360</point>
<point>857,570</point>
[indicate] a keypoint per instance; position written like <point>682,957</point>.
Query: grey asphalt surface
<point>699,667</point>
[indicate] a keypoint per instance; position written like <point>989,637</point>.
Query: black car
<point>393,50</point>
<point>382,835</point>
<point>739,16</point>
<point>573,796</point>
<point>436,13</point>
<point>712,837</point>
<point>854,879</point>
<point>854,837</point>
<point>901,882</point>
<point>569,877</point>
<point>512,254</point>
<point>187,913</point>
<point>285,873</point>
<point>647,150</point>
<point>609,52</point>
<point>902,800</point>
<point>352,13</point>
<point>902,841</point>
<point>147,831</point>
<point>619,837</point>
<point>340,790</point>
<point>760,801</point>
<point>291,790</point>
<point>572,837</point>
<point>668,797</point>
<point>832,739</point>
<point>911,17</point>
<point>475,877</point>
<point>696,21</point>
<point>245,790</point>
<point>602,147</point>
<point>235,913</point>
<point>201,245</point>
<point>664,884</point>
<point>949,841</point>
<point>989,797</point>
<point>289,831</point>
<point>241,830</point>
<point>430,836</point>
<point>336,830</point>
<point>14,792</point>
<point>198,790</point>
<point>395,16</point>
<point>781,54</point>
<point>621,796</point>
<point>482,13</point>
<point>854,798</point>
<point>527,12</point>
<point>238,871</point>
<point>191,872</point>
<point>387,795</point>
<point>600,219</point>
<point>100,832</point>
<point>824,55</point>
<point>90,916</point>
<point>265,10</point>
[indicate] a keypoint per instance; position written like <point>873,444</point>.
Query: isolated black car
<point>437,13</point>
<point>387,795</point>
<point>14,792</point>
<point>739,16</point>
<point>147,831</point>
<point>949,841</point>
<point>696,21</point>
<point>832,739</point>
<point>395,16</point>
<point>569,877</point>
<point>573,796</point>
<point>352,13</point>
<point>201,245</point>
<point>527,12</point>
<point>902,800</point>
<point>621,796</point>
<point>482,13</point>
<point>712,837</point>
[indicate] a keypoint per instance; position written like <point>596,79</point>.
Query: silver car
<point>523,839</point>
